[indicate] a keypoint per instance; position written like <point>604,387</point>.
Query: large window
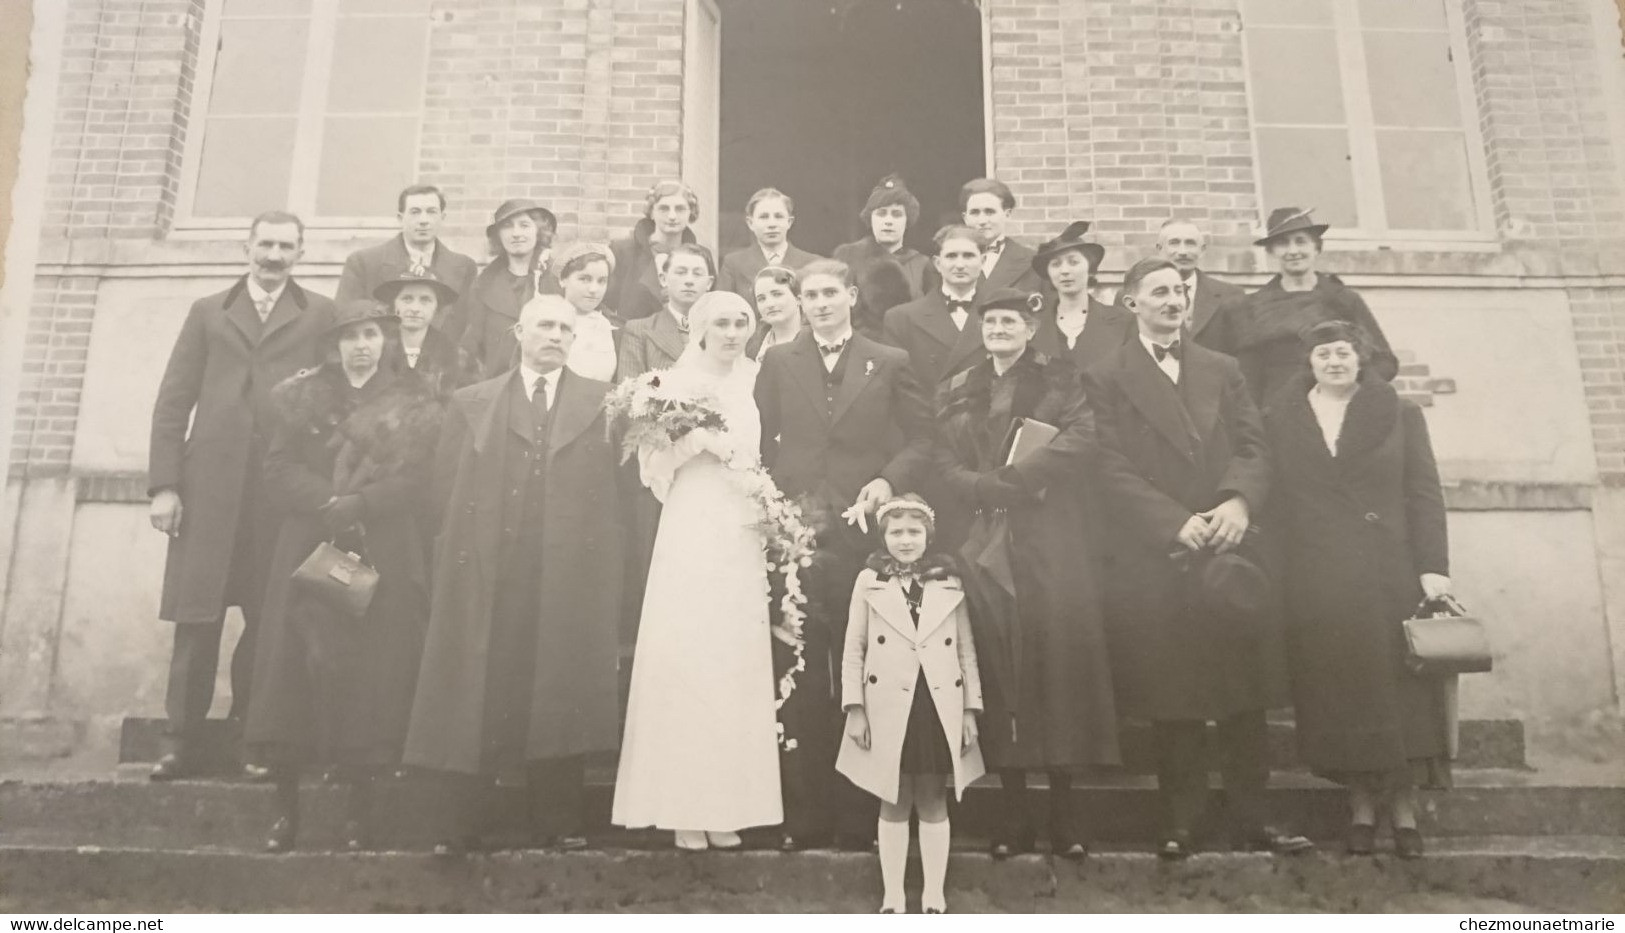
<point>1362,109</point>
<point>310,105</point>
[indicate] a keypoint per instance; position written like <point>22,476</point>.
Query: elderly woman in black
<point>1361,520</point>
<point>1261,330</point>
<point>1043,652</point>
<point>670,210</point>
<point>349,464</point>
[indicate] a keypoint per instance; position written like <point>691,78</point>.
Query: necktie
<point>914,594</point>
<point>1163,352</point>
<point>263,307</point>
<point>832,349</point>
<point>538,398</point>
<point>682,323</point>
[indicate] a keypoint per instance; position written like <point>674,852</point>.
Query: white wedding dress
<point>700,751</point>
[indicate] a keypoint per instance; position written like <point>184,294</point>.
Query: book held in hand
<point>1026,436</point>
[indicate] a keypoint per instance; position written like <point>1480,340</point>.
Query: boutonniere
<point>868,367</point>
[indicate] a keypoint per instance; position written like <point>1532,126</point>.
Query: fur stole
<point>393,427</point>
<point>932,567</point>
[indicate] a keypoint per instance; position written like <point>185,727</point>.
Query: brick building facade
<point>1483,216</point>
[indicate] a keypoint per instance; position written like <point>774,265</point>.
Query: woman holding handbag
<point>1360,518</point>
<point>348,467</point>
<point>1036,608</point>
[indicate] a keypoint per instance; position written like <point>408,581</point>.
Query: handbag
<point>1442,639</point>
<point>341,580</point>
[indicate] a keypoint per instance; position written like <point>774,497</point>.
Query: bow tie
<point>1161,352</point>
<point>958,304</point>
<point>832,349</point>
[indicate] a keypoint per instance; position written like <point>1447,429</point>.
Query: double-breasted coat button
<point>948,641</point>
<point>873,679</point>
<point>881,639</point>
<point>1371,516</point>
<point>959,683</point>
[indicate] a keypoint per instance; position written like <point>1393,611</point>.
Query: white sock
<point>934,861</point>
<point>893,837</point>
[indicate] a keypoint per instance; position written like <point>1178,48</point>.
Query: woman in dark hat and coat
<point>1361,517</point>
<point>348,464</point>
<point>415,297</point>
<point>1036,607</point>
<point>520,236</point>
<point>1075,325</point>
<point>1262,330</point>
<point>887,272</point>
<point>670,210</point>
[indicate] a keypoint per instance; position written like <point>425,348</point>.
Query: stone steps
<point>1548,875</point>
<point>1484,743</point>
<point>413,813</point>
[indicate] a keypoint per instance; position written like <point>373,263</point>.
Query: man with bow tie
<point>986,204</point>
<point>845,427</point>
<point>211,425</point>
<point>1182,243</point>
<point>933,329</point>
<point>1184,470</point>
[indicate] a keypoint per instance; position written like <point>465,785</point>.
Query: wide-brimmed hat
<point>1071,238</point>
<point>1288,220</point>
<point>1232,590</point>
<point>1009,299</point>
<point>514,206</point>
<point>886,192</point>
<point>417,275</point>
<point>356,311</point>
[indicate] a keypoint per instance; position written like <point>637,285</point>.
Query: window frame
<point>304,174</point>
<point>1366,167</point>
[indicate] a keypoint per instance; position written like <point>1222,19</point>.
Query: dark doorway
<point>820,98</point>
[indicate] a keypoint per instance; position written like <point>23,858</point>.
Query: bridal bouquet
<point>650,410</point>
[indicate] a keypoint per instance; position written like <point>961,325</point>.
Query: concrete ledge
<point>1544,875</point>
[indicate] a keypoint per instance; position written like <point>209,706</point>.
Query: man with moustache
<point>518,682</point>
<point>211,426</point>
<point>421,209</point>
<point>844,428</point>
<point>1184,469</point>
<point>986,204</point>
<point>1182,243</point>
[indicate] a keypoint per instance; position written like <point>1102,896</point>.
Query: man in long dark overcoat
<point>1184,466</point>
<point>421,209</point>
<point>211,425</point>
<point>519,667</point>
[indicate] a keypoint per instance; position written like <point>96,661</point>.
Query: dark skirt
<point>925,747</point>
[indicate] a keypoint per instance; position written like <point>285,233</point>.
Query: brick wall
<point>56,347</point>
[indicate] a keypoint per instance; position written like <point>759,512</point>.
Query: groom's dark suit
<point>825,435</point>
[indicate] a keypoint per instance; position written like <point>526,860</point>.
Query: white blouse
<point>1329,413</point>
<point>593,353</point>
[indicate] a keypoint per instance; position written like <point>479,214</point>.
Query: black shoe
<point>1012,842</point>
<point>282,835</point>
<point>569,842</point>
<point>256,774</point>
<point>1362,839</point>
<point>1267,839</point>
<point>852,842</point>
<point>1069,849</point>
<point>174,767</point>
<point>1175,847</point>
<point>1408,842</point>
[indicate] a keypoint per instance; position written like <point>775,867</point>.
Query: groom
<point>844,428</point>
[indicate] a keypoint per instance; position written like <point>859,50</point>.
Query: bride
<point>700,751</point>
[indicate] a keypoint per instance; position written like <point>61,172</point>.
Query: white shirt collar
<point>845,336</point>
<point>423,257</point>
<point>783,251</point>
<point>681,319</point>
<point>947,293</point>
<point>530,376</point>
<point>258,293</point>
<point>1148,343</point>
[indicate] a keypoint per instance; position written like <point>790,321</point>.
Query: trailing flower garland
<point>648,411</point>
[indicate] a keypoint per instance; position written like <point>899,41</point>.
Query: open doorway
<point>820,98</point>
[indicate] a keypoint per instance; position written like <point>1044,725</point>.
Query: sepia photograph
<point>1111,457</point>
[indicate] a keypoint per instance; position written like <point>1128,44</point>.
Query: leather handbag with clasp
<point>342,580</point>
<point>1442,639</point>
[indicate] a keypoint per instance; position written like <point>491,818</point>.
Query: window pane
<point>264,7</point>
<point>258,66</point>
<point>1413,80</point>
<point>365,162</point>
<point>245,165</point>
<point>1425,180</point>
<point>1402,14</point>
<point>1294,75</point>
<point>384,6</point>
<point>378,65</point>
<point>1309,169</point>
<point>1287,12</point>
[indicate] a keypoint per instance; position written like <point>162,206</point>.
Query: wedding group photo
<point>813,456</point>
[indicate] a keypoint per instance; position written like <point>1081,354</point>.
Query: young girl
<point>584,271</point>
<point>911,691</point>
<point>778,303</point>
